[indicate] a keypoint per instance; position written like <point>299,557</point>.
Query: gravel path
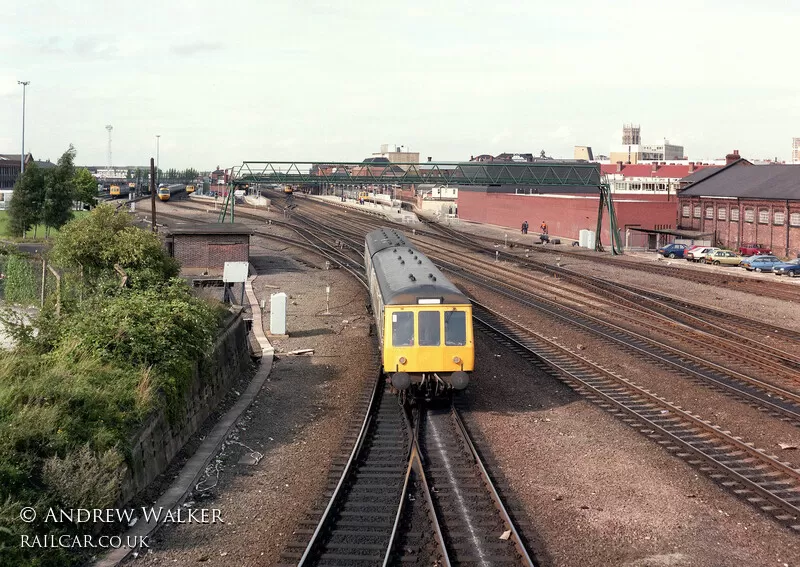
<point>296,423</point>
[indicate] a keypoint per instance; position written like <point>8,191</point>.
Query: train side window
<point>429,333</point>
<point>455,328</point>
<point>402,329</point>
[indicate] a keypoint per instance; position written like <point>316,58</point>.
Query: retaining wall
<point>158,441</point>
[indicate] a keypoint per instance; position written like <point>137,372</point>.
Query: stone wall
<point>158,441</point>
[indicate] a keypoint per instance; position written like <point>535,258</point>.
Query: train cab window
<point>429,333</point>
<point>455,328</point>
<point>402,329</point>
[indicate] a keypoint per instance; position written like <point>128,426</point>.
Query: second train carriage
<point>424,322</point>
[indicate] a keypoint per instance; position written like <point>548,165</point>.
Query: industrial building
<point>745,203</point>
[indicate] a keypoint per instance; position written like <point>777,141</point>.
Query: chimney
<point>619,167</point>
<point>730,158</point>
<point>654,167</point>
<point>430,158</point>
<point>691,167</point>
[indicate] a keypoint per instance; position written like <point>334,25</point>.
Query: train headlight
<point>402,360</point>
<point>457,360</point>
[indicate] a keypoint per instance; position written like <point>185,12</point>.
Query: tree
<point>85,187</point>
<point>26,202</point>
<point>60,191</point>
<point>103,238</point>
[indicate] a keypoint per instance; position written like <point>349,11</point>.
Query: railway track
<point>359,525</point>
<point>477,528</point>
<point>758,287</point>
<point>749,473</point>
<point>723,324</point>
<point>761,359</point>
<point>405,493</point>
<point>779,402</point>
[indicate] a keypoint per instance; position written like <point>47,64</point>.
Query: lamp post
<point>22,157</point>
<point>158,140</point>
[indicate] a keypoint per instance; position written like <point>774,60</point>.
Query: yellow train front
<point>114,191</point>
<point>424,322</point>
<point>190,188</point>
<point>163,193</point>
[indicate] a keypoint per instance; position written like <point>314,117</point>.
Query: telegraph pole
<point>153,191</point>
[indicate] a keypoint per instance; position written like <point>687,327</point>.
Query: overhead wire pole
<point>153,191</point>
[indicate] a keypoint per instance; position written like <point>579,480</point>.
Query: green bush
<point>64,426</point>
<point>21,286</point>
<point>81,380</point>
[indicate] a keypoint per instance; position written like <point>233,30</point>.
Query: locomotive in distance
<point>424,322</point>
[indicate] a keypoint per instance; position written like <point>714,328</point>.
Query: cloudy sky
<point>223,82</point>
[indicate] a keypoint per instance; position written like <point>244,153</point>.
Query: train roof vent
<point>412,278</point>
<point>431,276</point>
<point>395,250</point>
<point>410,251</point>
<point>419,262</point>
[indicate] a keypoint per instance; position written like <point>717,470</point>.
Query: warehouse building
<point>744,203</point>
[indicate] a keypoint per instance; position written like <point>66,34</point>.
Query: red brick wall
<point>566,215</point>
<point>210,250</point>
<point>732,234</point>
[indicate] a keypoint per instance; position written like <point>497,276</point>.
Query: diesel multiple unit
<point>424,322</point>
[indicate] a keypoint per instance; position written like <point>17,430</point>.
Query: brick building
<point>206,248</point>
<point>742,203</point>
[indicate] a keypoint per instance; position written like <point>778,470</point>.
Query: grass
<point>40,229</point>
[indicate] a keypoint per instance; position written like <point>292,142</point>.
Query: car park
<point>699,254</point>
<point>723,257</point>
<point>790,268</point>
<point>760,263</point>
<point>673,250</point>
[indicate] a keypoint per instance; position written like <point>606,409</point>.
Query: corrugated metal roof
<point>755,182</point>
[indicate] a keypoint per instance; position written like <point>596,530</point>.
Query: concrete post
<point>277,314</point>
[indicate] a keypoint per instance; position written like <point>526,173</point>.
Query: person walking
<point>524,227</point>
<point>543,228</point>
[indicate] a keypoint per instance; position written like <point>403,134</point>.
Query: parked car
<point>724,257</point>
<point>753,249</point>
<point>673,250</point>
<point>760,263</point>
<point>790,268</point>
<point>698,254</point>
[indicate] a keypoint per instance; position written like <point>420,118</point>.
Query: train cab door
<point>429,331</point>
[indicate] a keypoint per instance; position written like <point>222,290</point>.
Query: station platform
<point>393,214</point>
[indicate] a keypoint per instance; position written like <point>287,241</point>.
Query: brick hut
<point>206,247</point>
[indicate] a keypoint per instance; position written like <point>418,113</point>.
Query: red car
<point>753,249</point>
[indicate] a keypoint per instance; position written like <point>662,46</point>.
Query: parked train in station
<point>424,322</point>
